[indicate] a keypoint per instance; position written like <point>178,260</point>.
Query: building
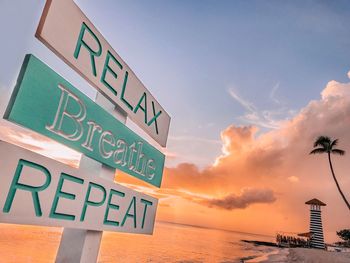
<point>316,229</point>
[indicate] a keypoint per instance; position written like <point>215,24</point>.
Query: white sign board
<point>36,190</point>
<point>69,33</point>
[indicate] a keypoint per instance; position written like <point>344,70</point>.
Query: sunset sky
<point>249,86</point>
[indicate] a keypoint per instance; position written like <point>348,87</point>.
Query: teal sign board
<point>46,103</point>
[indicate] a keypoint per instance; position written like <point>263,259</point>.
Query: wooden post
<point>79,245</point>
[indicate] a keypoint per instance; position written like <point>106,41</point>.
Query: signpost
<point>85,201</point>
<point>69,33</point>
<point>78,245</point>
<point>39,191</point>
<point>46,103</point>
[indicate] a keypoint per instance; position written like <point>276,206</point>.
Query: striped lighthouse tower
<point>316,229</point>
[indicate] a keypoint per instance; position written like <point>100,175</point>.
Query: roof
<point>315,202</point>
<point>308,234</point>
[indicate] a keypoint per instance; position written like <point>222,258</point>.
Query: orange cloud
<point>269,175</point>
<point>38,143</point>
<point>279,161</point>
<point>244,158</point>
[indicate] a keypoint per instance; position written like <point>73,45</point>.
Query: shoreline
<point>275,253</point>
<point>278,255</point>
<point>214,228</point>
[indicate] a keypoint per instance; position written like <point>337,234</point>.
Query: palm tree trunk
<point>336,181</point>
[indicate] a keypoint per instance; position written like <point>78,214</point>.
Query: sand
<point>305,255</point>
<point>276,256</point>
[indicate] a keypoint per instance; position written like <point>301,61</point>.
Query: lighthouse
<point>316,229</point>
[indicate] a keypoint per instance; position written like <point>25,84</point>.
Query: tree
<point>326,145</point>
<point>345,235</point>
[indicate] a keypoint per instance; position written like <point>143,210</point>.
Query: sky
<point>249,85</point>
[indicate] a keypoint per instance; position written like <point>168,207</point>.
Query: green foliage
<point>326,145</point>
<point>344,234</point>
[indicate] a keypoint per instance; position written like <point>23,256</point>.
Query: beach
<point>304,255</point>
<point>316,255</point>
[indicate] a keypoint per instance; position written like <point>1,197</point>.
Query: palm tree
<point>325,145</point>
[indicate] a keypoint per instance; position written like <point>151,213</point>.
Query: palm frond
<point>318,150</point>
<point>322,141</point>
<point>338,151</point>
<point>334,143</point>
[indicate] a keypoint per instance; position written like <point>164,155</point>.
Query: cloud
<point>278,161</point>
<point>247,197</point>
<point>39,144</point>
<point>242,159</point>
<point>335,89</point>
<point>186,148</point>
<point>243,199</point>
<point>246,104</point>
<point>273,93</point>
<point>271,119</point>
<point>236,139</point>
<point>169,154</point>
<point>293,179</point>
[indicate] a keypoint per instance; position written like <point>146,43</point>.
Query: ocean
<point>169,243</point>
